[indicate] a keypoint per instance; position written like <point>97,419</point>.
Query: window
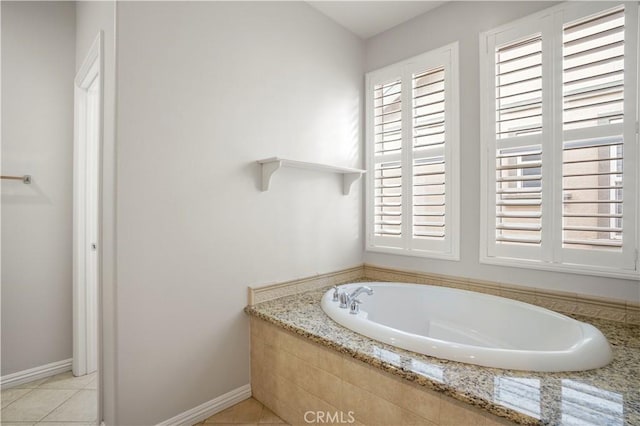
<point>412,156</point>
<point>559,133</point>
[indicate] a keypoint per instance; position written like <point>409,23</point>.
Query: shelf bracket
<point>268,169</point>
<point>347,181</point>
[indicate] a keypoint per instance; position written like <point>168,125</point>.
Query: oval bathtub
<point>472,327</point>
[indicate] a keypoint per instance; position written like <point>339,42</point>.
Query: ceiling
<point>368,18</point>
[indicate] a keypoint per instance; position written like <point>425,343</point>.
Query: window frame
<point>552,255</point>
<point>448,249</point>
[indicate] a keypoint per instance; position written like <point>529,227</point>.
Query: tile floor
<point>247,413</point>
<point>60,400</point>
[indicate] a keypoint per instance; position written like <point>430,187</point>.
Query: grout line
<point>19,398</point>
<point>59,405</point>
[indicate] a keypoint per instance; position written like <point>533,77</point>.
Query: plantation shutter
<point>595,75</point>
<point>518,182</point>
<point>412,143</point>
<point>560,139</point>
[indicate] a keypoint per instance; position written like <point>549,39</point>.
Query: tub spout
<point>360,290</point>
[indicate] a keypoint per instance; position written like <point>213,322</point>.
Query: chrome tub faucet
<point>350,300</point>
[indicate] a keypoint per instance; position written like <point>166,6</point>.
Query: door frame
<point>91,69</point>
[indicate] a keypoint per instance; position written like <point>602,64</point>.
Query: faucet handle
<point>336,293</point>
<point>344,299</point>
<point>355,307</point>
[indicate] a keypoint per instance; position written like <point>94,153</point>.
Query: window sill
<point>564,268</point>
<point>415,253</point>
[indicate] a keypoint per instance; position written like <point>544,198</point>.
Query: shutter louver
<point>593,71</point>
<point>388,199</point>
<point>388,118</point>
<point>388,145</point>
<point>592,194</point>
<point>519,195</point>
<point>519,88</point>
<point>428,97</point>
<point>593,95</point>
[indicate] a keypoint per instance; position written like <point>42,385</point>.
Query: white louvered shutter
<point>387,153</point>
<point>516,202</point>
<point>429,180</point>
<point>518,165</point>
<point>413,147</point>
<point>594,80</point>
<point>560,139</point>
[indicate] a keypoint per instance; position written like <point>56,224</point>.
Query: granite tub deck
<point>605,396</point>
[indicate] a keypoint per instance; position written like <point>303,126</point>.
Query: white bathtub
<point>472,327</point>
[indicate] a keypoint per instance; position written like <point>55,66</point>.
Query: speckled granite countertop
<point>606,396</point>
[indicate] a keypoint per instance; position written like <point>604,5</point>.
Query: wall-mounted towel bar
<point>26,179</point>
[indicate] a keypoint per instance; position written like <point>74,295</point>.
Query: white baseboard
<point>209,408</point>
<point>36,373</point>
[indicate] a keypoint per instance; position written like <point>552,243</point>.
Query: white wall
<point>463,21</point>
<point>91,18</point>
<point>205,90</point>
<point>38,61</point>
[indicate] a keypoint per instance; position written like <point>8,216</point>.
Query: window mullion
<point>552,145</point>
<point>631,162</point>
<point>407,159</point>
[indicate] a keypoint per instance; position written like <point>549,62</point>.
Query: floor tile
<point>67,381</point>
<point>224,416</point>
<point>233,424</point>
<point>81,407</point>
<point>64,424</point>
<point>17,424</point>
<point>248,412</point>
<point>32,385</point>
<point>93,384</point>
<point>10,395</point>
<point>35,405</point>
<point>269,417</point>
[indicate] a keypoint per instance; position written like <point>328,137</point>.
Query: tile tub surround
<point>609,395</point>
<point>264,293</point>
<point>566,303</point>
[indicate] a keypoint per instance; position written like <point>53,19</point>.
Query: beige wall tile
<point>329,361</point>
<point>603,311</point>
<point>372,380</point>
<point>257,355</point>
<point>454,413</point>
<point>633,314</point>
<point>369,408</point>
<point>558,304</point>
<point>297,401</point>
<point>321,384</point>
<point>422,402</point>
<point>522,296</point>
<point>291,386</point>
<point>410,419</point>
<point>297,346</point>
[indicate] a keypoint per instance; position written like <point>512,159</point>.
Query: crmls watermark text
<point>329,417</point>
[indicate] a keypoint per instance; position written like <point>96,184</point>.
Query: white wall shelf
<point>271,165</point>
